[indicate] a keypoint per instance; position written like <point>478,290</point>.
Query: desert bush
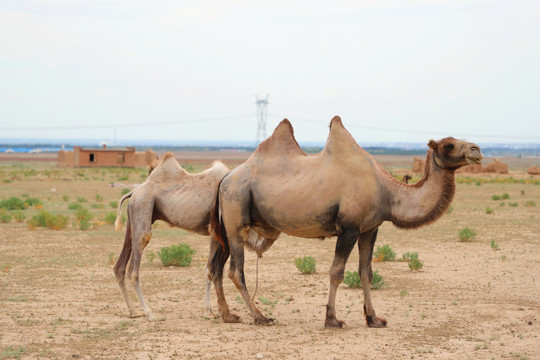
<point>33,202</point>
<point>83,216</point>
<point>97,206</point>
<point>176,255</point>
<point>306,264</point>
<point>494,245</point>
<point>110,217</point>
<point>505,196</point>
<point>75,206</point>
<point>489,210</point>
<point>19,216</point>
<point>46,219</point>
<point>99,198</point>
<point>125,191</point>
<point>466,234</point>
<point>384,253</point>
<point>415,264</point>
<point>352,279</point>
<point>81,199</point>
<point>408,256</point>
<point>13,203</point>
<point>495,197</point>
<point>513,204</point>
<point>113,204</point>
<point>65,198</point>
<point>5,218</point>
<point>450,209</point>
<point>530,203</point>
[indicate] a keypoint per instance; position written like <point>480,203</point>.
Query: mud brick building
<point>105,157</point>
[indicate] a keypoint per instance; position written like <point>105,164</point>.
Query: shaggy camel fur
<point>183,200</point>
<point>341,191</point>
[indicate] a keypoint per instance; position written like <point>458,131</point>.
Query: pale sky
<point>403,70</point>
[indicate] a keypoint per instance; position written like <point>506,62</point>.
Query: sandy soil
<point>59,298</point>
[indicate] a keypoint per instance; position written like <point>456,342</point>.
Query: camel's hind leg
<point>141,232</point>
<point>344,246</point>
<point>216,263</point>
<point>366,243</point>
<point>236,273</point>
<point>120,268</point>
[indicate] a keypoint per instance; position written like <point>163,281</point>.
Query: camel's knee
<point>336,276</point>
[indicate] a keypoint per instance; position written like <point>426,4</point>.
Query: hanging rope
<point>256,278</point>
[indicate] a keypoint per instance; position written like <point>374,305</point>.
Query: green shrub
<point>530,203</point>
<point>19,216</point>
<point>450,209</point>
<point>495,197</point>
<point>65,198</point>
<point>513,204</point>
<point>306,265</point>
<point>97,206</point>
<point>466,234</point>
<point>75,206</point>
<point>5,218</point>
<point>83,216</point>
<point>352,279</point>
<point>494,245</point>
<point>113,204</point>
<point>489,210</point>
<point>384,253</point>
<point>81,199</point>
<point>408,256</point>
<point>505,196</point>
<point>99,198</point>
<point>46,219</point>
<point>176,255</point>
<point>125,191</point>
<point>33,202</point>
<point>415,264</point>
<point>13,203</point>
<point>110,218</point>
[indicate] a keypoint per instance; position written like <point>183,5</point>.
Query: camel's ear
<point>432,144</point>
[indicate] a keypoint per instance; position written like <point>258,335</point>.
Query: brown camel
<point>406,178</point>
<point>173,195</point>
<point>340,191</point>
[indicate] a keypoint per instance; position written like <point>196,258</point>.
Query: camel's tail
<point>218,234</point>
<point>216,224</point>
<point>118,221</point>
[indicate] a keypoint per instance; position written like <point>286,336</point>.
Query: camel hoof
<point>376,322</point>
<point>263,321</point>
<point>332,322</point>
<point>230,318</point>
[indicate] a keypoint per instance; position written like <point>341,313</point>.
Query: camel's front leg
<point>344,246</point>
<point>236,274</point>
<point>366,243</point>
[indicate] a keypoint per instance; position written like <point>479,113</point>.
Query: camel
<point>341,191</point>
<point>181,199</point>
<point>406,178</point>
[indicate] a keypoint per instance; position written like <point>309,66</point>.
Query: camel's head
<point>452,154</point>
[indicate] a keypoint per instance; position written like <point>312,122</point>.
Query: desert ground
<point>477,299</point>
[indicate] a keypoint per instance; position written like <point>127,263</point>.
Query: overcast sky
<point>404,70</point>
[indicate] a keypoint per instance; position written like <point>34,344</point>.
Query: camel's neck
<point>424,202</point>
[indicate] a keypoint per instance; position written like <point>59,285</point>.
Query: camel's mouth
<point>474,160</point>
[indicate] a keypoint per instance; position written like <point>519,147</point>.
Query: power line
<point>114,126</point>
<point>409,131</point>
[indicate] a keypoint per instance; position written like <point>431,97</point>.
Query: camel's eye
<point>448,147</point>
